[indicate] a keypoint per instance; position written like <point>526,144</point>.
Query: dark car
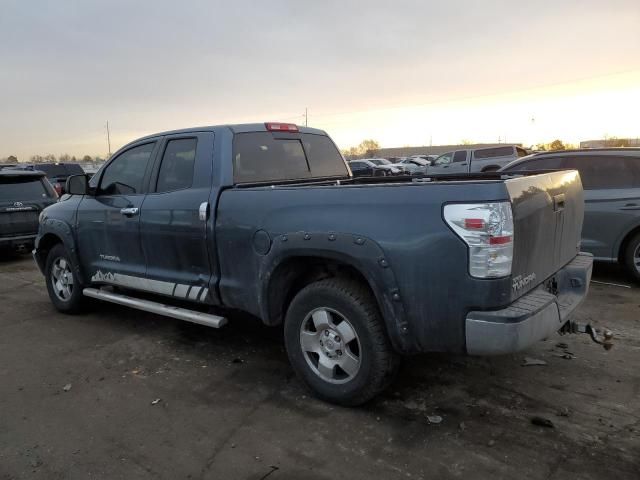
<point>373,167</point>
<point>23,195</point>
<point>611,182</point>
<point>57,173</point>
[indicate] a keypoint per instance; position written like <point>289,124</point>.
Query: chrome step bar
<point>158,308</point>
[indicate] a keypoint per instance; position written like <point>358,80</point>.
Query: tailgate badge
<point>18,204</point>
<point>520,281</point>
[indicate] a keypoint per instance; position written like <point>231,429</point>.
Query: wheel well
<point>295,273</point>
<point>625,242</point>
<point>46,244</point>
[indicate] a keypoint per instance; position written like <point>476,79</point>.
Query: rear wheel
<point>631,257</point>
<point>337,343</point>
<point>63,285</point>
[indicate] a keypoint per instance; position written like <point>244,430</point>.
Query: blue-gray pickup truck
<point>268,219</point>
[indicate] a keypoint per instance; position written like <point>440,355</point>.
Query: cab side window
<point>176,170</point>
<point>460,156</point>
<point>600,172</point>
<point>125,174</point>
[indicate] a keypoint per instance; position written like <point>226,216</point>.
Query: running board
<point>158,308</point>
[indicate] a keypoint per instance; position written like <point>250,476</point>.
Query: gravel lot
<point>124,394</point>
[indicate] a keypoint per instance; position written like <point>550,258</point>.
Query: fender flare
<point>356,251</point>
<point>63,231</point>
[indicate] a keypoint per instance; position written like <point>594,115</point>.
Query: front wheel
<point>337,344</point>
<point>63,285</point>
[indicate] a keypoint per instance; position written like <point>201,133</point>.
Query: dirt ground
<point>120,394</point>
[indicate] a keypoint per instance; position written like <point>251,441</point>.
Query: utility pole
<point>108,140</point>
<point>306,117</point>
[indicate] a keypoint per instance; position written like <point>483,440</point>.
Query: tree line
<point>50,158</point>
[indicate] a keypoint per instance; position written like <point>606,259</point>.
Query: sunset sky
<point>402,72</point>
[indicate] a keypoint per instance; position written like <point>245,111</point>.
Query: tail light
<point>487,229</point>
<point>281,127</point>
<point>58,188</point>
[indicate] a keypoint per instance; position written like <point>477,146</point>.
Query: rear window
<point>263,156</point>
<point>21,189</point>
<point>493,152</point>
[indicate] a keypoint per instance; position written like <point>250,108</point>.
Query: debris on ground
<point>563,412</point>
<point>155,402</point>
<point>610,284</point>
<point>67,387</point>
<point>237,360</point>
<point>566,355</point>
<point>462,426</point>
<point>434,419</point>
<point>491,443</point>
<point>562,345</point>
<point>542,422</point>
<point>529,362</point>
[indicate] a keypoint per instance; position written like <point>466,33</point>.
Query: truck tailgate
<point>547,214</point>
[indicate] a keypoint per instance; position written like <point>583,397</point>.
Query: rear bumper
<point>17,241</point>
<point>533,317</point>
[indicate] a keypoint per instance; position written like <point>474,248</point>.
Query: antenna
<point>306,117</point>
<point>108,140</point>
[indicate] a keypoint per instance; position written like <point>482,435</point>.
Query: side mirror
<point>77,185</point>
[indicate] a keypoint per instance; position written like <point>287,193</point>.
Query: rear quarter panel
<point>428,261</point>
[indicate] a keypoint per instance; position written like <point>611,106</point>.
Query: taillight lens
<point>487,229</point>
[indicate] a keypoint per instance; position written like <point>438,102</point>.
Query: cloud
<point>148,66</point>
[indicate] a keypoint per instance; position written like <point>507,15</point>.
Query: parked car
<point>368,167</point>
<point>385,165</point>
<point>611,181</point>
<point>476,160</point>
<point>413,165</point>
<point>267,219</point>
<point>428,158</point>
<point>23,195</point>
<point>57,173</point>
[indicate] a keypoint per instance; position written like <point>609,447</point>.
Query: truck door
<point>177,219</point>
<point>108,222</point>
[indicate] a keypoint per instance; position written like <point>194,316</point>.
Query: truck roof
<point>235,128</point>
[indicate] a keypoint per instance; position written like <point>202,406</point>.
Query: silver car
<point>474,160</point>
<point>611,182</point>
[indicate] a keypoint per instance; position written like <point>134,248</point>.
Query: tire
<point>335,323</point>
<point>65,290</point>
<point>631,257</point>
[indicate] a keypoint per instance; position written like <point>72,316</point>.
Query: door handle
<point>203,211</point>
<point>129,211</point>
